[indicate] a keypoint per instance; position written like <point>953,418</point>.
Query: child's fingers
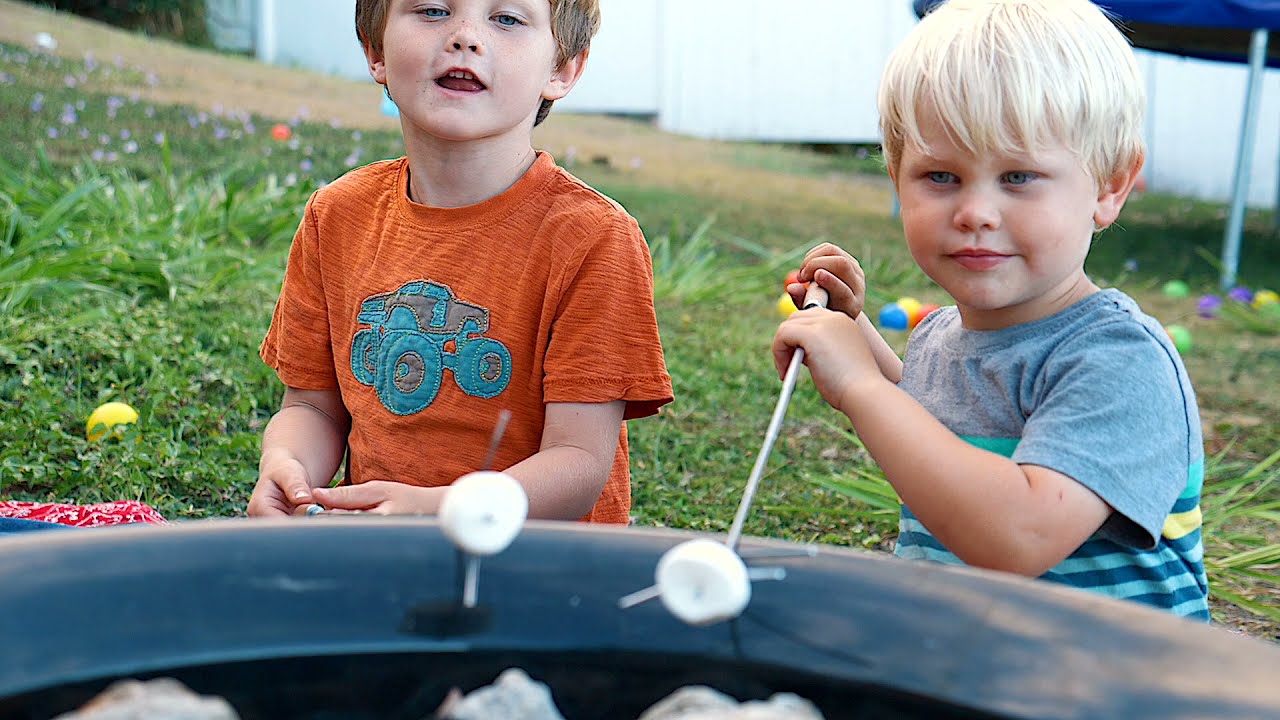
<point>839,294</point>
<point>350,497</point>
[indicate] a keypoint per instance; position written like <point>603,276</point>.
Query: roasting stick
<point>702,581</point>
<point>814,297</point>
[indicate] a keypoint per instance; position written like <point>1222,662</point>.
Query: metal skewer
<point>814,297</point>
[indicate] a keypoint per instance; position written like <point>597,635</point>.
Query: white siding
<point>622,73</point>
<point>758,70</point>
<point>1194,118</point>
<point>316,34</point>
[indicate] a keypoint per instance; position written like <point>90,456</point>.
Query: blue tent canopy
<point>1227,30</point>
<point>1208,29</point>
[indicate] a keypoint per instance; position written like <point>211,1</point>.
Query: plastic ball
<point>1241,294</point>
<point>1180,336</point>
<point>1208,306</point>
<point>786,305</point>
<point>924,312</point>
<point>893,317</point>
<point>104,420</point>
<point>912,307</point>
<point>792,278</point>
<point>1264,298</point>
<point>1176,289</point>
<point>281,132</point>
<point>389,107</point>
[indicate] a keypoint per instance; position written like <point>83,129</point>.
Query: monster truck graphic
<point>403,353</point>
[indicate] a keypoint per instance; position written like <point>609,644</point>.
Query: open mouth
<point>460,80</point>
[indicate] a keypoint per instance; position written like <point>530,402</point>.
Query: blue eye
<point>1019,177</point>
<point>941,178</point>
<point>507,20</point>
<point>434,12</point>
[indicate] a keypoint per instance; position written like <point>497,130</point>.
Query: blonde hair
<point>573,24</point>
<point>1008,76</point>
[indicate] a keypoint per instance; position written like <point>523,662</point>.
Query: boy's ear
<point>1114,192</point>
<point>377,68</point>
<point>565,77</point>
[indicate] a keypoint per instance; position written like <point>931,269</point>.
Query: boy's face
<point>1006,236</point>
<point>464,70</point>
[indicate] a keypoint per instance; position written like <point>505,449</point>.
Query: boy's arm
<point>565,477</point>
<point>886,359</point>
<point>988,510</point>
<point>985,508</point>
<point>301,449</point>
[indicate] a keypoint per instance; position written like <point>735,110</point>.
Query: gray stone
<point>513,696</point>
<point>161,698</point>
<point>697,702</point>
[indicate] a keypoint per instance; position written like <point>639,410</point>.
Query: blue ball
<point>893,317</point>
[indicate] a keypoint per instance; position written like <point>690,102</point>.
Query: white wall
<point>622,73</point>
<point>315,34</point>
<point>763,70</point>
<point>1194,116</point>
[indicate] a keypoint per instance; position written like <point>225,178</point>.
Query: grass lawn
<point>146,211</point>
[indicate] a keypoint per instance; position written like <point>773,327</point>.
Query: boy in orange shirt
<point>424,295</point>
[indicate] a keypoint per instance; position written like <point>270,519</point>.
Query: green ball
<point>1180,336</point>
<point>1176,289</point>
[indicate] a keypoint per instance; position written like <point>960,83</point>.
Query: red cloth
<point>120,512</point>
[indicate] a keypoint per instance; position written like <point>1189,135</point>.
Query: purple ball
<point>1241,294</point>
<point>1208,306</point>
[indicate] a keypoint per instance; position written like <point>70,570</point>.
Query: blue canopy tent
<point>1228,30</point>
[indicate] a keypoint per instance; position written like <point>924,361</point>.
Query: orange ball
<point>281,132</point>
<point>792,277</point>
<point>921,313</point>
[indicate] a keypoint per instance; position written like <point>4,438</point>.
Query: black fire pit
<point>359,617</point>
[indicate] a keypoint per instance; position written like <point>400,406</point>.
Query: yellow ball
<point>1265,297</point>
<point>786,306</point>
<point>910,305</point>
<point>105,419</point>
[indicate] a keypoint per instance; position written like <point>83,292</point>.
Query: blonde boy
<point>425,295</point>
<point>1041,425</point>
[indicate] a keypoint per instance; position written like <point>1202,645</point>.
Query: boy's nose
<point>464,36</point>
<point>977,212</point>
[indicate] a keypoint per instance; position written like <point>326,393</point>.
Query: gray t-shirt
<point>1096,392</point>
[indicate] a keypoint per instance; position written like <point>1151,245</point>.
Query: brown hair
<point>573,24</point>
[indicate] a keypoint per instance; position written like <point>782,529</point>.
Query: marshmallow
<point>703,582</point>
<point>482,512</point>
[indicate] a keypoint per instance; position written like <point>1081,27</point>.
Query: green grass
<point>147,276</point>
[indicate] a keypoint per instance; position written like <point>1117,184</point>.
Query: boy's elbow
<point>1028,555</point>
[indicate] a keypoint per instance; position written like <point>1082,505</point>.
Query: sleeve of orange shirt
<point>605,344</point>
<point>301,315</point>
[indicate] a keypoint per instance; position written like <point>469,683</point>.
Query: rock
<point>161,698</point>
<point>513,696</point>
<point>698,702</point>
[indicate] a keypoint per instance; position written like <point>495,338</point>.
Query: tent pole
<point>1244,160</point>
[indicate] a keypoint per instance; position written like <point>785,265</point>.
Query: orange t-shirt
<point>430,321</point>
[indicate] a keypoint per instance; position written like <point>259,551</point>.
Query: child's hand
<point>842,278</point>
<point>836,353</point>
<point>381,497</point>
<point>282,488</point>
